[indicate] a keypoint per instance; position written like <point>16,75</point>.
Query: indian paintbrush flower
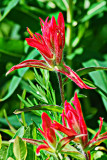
<point>50,45</point>
<point>73,123</point>
<point>50,143</point>
<point>49,135</point>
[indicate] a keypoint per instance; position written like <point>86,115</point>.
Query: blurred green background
<point>86,46</point>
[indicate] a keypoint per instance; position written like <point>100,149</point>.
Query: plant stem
<point>58,156</point>
<point>69,40</point>
<point>21,107</point>
<point>61,88</point>
<point>69,27</point>
<point>86,156</point>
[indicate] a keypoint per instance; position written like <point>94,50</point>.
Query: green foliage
<point>19,149</point>
<point>99,78</point>
<point>20,133</point>
<point>9,7</point>
<point>41,93</point>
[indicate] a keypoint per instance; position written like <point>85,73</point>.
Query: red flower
<point>48,133</point>
<point>98,138</point>
<point>51,46</point>
<point>75,121</point>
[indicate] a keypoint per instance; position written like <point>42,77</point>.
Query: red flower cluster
<point>50,45</point>
<point>49,135</point>
<point>73,123</point>
<point>73,127</point>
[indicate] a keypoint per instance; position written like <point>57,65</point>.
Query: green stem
<point>86,157</point>
<point>58,156</point>
<point>69,27</point>
<point>21,107</point>
<point>69,40</point>
<point>61,88</point>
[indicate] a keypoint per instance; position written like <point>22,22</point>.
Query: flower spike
<point>51,45</point>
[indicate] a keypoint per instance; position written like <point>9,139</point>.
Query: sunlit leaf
<point>20,149</point>
<point>95,9</point>
<point>10,133</point>
<point>9,7</point>
<point>13,85</point>
<point>20,133</point>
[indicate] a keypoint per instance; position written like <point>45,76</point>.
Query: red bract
<point>73,123</point>
<point>50,45</point>
<point>49,135</point>
<point>98,138</point>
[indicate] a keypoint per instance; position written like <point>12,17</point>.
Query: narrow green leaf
<point>74,154</point>
<point>13,85</point>
<point>64,141</point>
<point>26,103</point>
<point>10,53</point>
<point>10,133</point>
<point>20,149</point>
<point>31,55</point>
<point>21,107</point>
<point>54,108</point>
<point>99,78</point>
<point>95,9</point>
<point>11,127</point>
<point>87,70</point>
<point>0,141</point>
<point>63,5</point>
<point>9,7</point>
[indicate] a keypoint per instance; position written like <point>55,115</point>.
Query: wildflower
<point>73,123</point>
<point>50,45</point>
<point>49,135</point>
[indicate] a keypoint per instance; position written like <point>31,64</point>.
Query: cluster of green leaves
<point>88,45</point>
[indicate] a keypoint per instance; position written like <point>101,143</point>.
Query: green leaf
<point>74,154</point>
<point>12,47</point>
<point>77,51</point>
<point>87,70</point>
<point>10,133</point>
<point>99,78</point>
<point>55,108</point>
<point>0,141</point>
<point>95,9</point>
<point>20,149</point>
<point>16,80</point>
<point>20,133</point>
<point>3,152</point>
<point>99,155</point>
<point>33,53</point>
<point>64,141</point>
<point>63,5</point>
<point>11,127</point>
<point>13,85</point>
<point>10,158</point>
<point>9,7</point>
<point>29,134</point>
